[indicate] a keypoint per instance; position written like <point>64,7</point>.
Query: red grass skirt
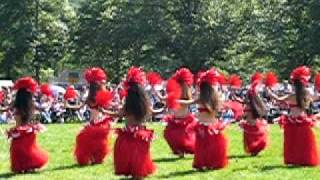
<point>25,154</point>
<point>211,147</point>
<point>300,146</point>
<point>132,152</point>
<point>92,143</point>
<point>180,134</point>
<point>255,137</point>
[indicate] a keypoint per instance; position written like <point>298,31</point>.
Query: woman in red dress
<point>255,134</point>
<point>300,146</point>
<point>179,132</point>
<point>25,154</point>
<point>132,155</point>
<point>211,144</point>
<point>92,143</point>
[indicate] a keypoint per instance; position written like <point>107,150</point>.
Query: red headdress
<point>2,96</point>
<point>154,78</point>
<point>256,78</point>
<point>103,98</point>
<point>70,93</point>
<point>317,82</point>
<point>223,79</point>
<point>198,76</point>
<point>235,81</point>
<point>135,75</point>
<point>184,75</point>
<point>174,93</point>
<point>95,75</point>
<point>26,83</point>
<point>271,79</point>
<point>46,90</point>
<point>211,77</point>
<point>302,74</point>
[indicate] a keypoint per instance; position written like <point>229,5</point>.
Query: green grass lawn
<point>59,141</point>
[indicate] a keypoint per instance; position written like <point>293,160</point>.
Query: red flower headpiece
<point>46,90</point>
<point>2,96</point>
<point>135,75</point>
<point>174,93</point>
<point>211,77</point>
<point>302,74</point>
<point>317,82</point>
<point>70,93</point>
<point>26,83</point>
<point>223,79</point>
<point>154,78</point>
<point>103,98</point>
<point>235,81</point>
<point>95,75</point>
<point>256,78</point>
<point>271,79</point>
<point>184,75</point>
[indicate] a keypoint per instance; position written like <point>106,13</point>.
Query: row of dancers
<point>201,134</point>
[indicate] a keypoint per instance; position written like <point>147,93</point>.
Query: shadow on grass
<point>74,166</point>
<point>167,160</point>
<point>183,173</point>
<point>273,167</point>
<point>13,175</point>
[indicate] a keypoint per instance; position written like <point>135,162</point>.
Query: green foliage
<point>237,36</point>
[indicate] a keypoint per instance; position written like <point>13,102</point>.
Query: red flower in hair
<point>2,96</point>
<point>271,79</point>
<point>70,93</point>
<point>26,83</point>
<point>302,74</point>
<point>235,81</point>
<point>46,90</point>
<point>184,75</point>
<point>174,93</point>
<point>256,78</point>
<point>103,98</point>
<point>211,76</point>
<point>135,75</point>
<point>95,75</point>
<point>317,82</point>
<point>154,78</point>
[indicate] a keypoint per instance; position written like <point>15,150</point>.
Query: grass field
<point>59,141</point>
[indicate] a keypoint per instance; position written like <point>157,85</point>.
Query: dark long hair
<point>257,106</point>
<point>136,103</point>
<point>24,105</point>
<point>93,88</point>
<point>301,95</point>
<point>185,91</point>
<point>209,97</point>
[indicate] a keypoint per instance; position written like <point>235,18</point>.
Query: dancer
<point>211,144</point>
<point>132,148</point>
<point>300,146</point>
<point>179,132</point>
<point>25,154</point>
<point>92,142</point>
<point>255,134</point>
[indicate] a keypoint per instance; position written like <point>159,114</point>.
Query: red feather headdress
<point>27,83</point>
<point>103,98</point>
<point>271,79</point>
<point>235,81</point>
<point>174,93</point>
<point>302,74</point>
<point>95,75</point>
<point>256,78</point>
<point>135,75</point>
<point>317,82</point>
<point>70,93</point>
<point>211,77</point>
<point>154,78</point>
<point>184,75</point>
<point>46,90</point>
